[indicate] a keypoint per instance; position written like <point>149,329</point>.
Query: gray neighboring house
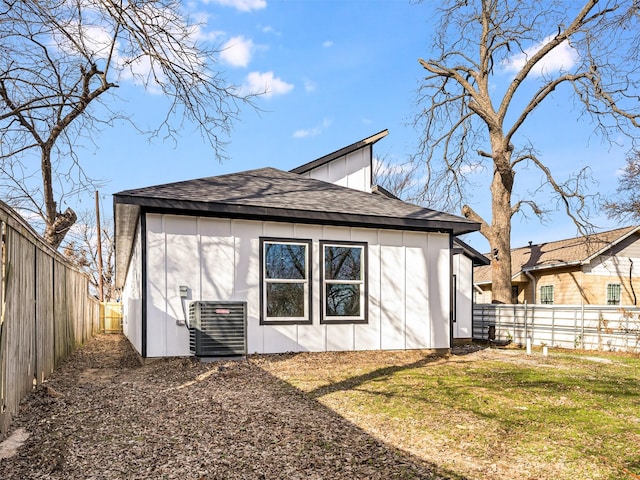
<point>267,261</point>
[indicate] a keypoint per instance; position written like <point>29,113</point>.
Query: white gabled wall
<point>218,259</point>
<point>131,296</point>
<point>352,170</point>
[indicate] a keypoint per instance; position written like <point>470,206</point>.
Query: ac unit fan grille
<point>217,329</point>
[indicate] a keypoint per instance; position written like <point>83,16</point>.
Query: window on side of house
<point>514,294</point>
<point>343,272</point>
<point>285,272</point>
<point>546,294</point>
<point>614,292</point>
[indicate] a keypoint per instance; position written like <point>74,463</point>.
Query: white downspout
<point>533,281</point>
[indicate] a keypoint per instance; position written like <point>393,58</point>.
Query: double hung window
<point>286,281</point>
<point>343,282</point>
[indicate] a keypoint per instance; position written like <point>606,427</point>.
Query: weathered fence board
<point>589,327</point>
<point>45,311</point>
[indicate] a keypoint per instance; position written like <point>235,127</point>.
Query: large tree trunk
<point>55,231</point>
<point>500,232</point>
<point>57,223</point>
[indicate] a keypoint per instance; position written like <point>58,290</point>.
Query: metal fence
<point>587,327</point>
<point>45,311</point>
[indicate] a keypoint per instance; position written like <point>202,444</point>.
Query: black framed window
<point>285,272</point>
<point>343,271</point>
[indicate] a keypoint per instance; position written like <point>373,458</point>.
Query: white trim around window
<point>614,294</point>
<point>546,294</point>
<point>343,282</point>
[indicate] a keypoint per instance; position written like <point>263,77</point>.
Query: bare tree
<point>398,179</point>
<point>81,249</point>
<point>473,115</point>
<point>58,61</point>
<point>626,205</point>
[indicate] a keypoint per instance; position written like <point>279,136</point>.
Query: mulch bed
<point>102,415</point>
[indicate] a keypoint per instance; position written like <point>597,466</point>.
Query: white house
<point>465,258</point>
<point>267,261</point>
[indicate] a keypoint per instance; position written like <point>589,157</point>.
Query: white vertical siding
<point>218,259</point>
<point>131,296</point>
<point>183,269</point>
<point>247,278</point>
<point>217,254</point>
<point>352,170</point>
<point>439,290</point>
<point>392,290</point>
<point>156,286</point>
<point>418,329</point>
<point>463,269</point>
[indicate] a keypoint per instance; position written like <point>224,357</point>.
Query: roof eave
<point>340,153</point>
<point>293,215</point>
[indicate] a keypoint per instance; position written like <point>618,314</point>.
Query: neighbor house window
<point>286,281</point>
<point>614,291</point>
<point>546,294</point>
<point>344,282</point>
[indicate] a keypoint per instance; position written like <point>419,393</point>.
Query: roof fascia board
<point>340,153</point>
<point>477,258</point>
<point>182,207</point>
<point>555,265</point>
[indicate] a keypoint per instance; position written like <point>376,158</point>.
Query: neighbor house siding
<point>352,171</point>
<point>131,296</point>
<point>218,259</point>
<point>572,287</point>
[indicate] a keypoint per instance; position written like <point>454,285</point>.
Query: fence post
<point>553,325</point>
<point>526,330</point>
<point>582,327</point>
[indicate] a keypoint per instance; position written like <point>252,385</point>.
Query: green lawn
<point>490,414</point>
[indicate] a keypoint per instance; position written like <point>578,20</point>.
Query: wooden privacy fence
<point>110,317</point>
<point>45,311</point>
<point>588,327</point>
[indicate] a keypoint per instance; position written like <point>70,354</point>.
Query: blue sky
<point>337,71</point>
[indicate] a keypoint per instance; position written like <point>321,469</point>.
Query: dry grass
<point>103,416</point>
<point>352,415</point>
<point>486,414</point>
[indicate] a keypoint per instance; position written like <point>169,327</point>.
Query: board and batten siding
<point>352,171</point>
<point>218,259</point>
<point>132,295</point>
<point>463,270</point>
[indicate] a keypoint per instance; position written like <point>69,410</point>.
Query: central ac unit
<point>217,328</point>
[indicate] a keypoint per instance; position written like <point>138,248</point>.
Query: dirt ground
<point>104,416</point>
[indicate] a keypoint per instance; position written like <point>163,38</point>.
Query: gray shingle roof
<point>269,192</point>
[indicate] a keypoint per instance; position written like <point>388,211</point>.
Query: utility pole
<point>100,287</point>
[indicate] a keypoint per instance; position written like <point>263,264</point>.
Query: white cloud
<point>269,29</point>
<point>266,84</point>
<point>312,132</point>
<point>237,51</point>
<point>562,57</point>
<point>309,86</point>
<point>242,5</point>
<point>469,169</point>
<point>327,43</point>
